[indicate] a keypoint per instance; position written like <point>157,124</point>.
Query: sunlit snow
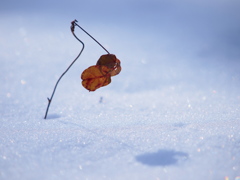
<point>173,113</point>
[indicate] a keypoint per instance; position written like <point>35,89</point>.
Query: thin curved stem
<point>91,36</point>
<point>74,23</point>
<point>50,100</point>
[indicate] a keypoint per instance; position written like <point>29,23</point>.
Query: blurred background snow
<point>172,113</point>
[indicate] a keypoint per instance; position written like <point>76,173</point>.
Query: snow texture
<point>172,113</point>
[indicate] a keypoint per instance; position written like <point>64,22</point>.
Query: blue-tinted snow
<point>172,113</point>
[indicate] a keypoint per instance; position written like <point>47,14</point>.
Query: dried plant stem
<point>50,100</point>
<point>74,23</point>
<point>91,37</point>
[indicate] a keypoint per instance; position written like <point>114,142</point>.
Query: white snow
<point>172,113</point>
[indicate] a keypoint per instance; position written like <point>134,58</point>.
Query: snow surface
<point>172,113</point>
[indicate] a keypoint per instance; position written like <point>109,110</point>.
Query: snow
<point>172,113</point>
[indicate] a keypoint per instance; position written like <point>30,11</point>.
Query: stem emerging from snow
<point>50,100</point>
<point>74,23</point>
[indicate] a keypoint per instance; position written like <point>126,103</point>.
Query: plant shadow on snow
<point>53,116</point>
<point>162,158</point>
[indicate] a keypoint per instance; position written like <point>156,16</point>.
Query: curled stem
<point>91,36</point>
<point>74,23</point>
<point>55,87</point>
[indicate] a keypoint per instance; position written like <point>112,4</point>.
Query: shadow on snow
<point>162,158</point>
<point>53,116</point>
